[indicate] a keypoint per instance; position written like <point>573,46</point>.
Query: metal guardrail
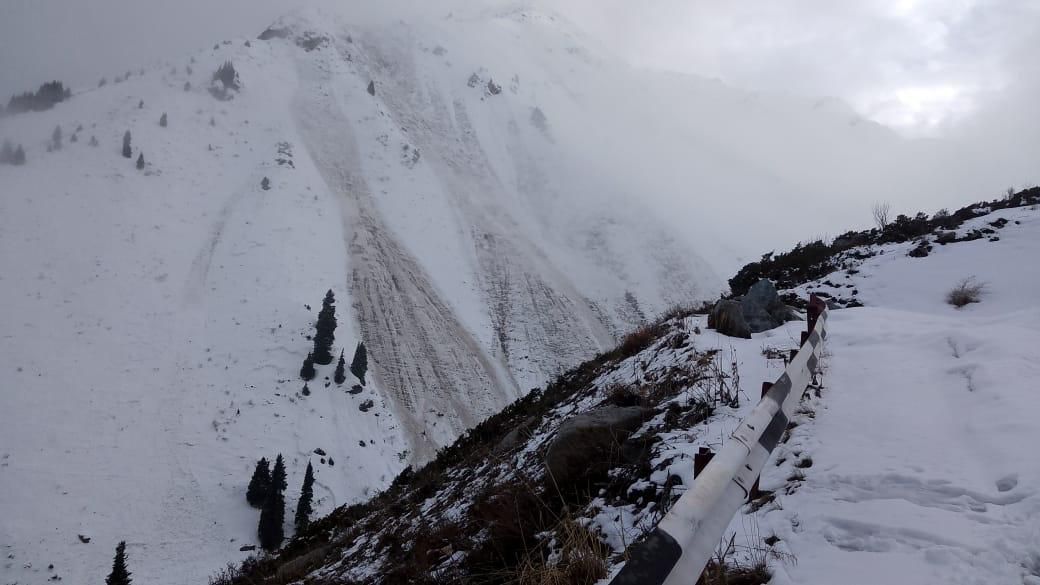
<point>677,550</point>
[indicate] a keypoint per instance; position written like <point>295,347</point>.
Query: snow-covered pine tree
<point>162,120</point>
<point>303,507</point>
<point>340,375</point>
<point>256,493</point>
<point>140,161</point>
<point>119,575</point>
<point>127,152</point>
<point>359,365</point>
<point>325,329</point>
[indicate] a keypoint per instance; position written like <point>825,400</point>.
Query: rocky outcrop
<point>589,444</point>
<point>763,309</point>
<point>759,310</point>
<point>727,318</point>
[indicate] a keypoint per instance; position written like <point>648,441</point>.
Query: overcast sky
<point>917,65</point>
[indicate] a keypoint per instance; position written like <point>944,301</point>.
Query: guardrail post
<point>813,312</point>
<point>701,459</point>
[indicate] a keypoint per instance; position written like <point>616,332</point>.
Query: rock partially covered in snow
<point>759,310</point>
<point>763,310</point>
<point>727,318</point>
<point>589,442</point>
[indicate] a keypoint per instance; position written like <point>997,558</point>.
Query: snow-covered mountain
<point>490,194</point>
<point>906,460</point>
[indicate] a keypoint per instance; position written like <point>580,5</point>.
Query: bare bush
<point>880,211</point>
<point>966,292</point>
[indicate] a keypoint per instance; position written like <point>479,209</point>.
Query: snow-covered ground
<point>496,212</point>
<point>923,446</point>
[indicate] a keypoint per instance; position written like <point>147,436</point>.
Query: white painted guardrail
<point>676,552</point>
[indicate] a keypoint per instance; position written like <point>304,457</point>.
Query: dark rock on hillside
<point>587,439</point>
<point>763,310</point>
<point>274,33</point>
<point>727,318</point>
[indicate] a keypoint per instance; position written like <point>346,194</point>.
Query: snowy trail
<point>923,465</point>
<point>420,353</point>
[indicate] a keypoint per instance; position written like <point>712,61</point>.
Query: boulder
<point>588,445</point>
<point>762,308</point>
<point>727,318</point>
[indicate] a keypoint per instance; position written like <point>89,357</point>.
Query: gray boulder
<point>762,308</point>
<point>727,318</point>
<point>589,444</point>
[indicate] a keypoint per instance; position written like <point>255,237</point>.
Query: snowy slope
<point>478,242</point>
<point>923,447</point>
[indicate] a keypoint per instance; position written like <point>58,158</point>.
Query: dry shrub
<point>581,559</point>
<point>636,341</point>
<point>966,292</point>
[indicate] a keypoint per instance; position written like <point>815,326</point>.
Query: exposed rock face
<point>590,443</point>
<point>763,310</point>
<point>727,318</point>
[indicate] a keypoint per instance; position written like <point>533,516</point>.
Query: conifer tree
<point>278,474</point>
<point>140,161</point>
<point>127,152</point>
<point>265,184</point>
<point>325,329</point>
<point>303,507</point>
<point>19,156</point>
<point>307,371</point>
<point>272,517</point>
<point>7,153</point>
<point>93,141</point>
<point>340,375</point>
<point>162,120</point>
<point>140,104</point>
<point>359,365</point>
<point>256,494</point>
<point>119,575</point>
<point>56,138</point>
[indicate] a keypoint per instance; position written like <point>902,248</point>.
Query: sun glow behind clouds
<point>920,109</point>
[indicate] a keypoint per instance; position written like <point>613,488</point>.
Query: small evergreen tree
<point>19,156</point>
<point>162,120</point>
<point>371,88</point>
<point>307,371</point>
<point>340,375</point>
<point>325,329</point>
<point>187,86</point>
<point>303,507</point>
<point>56,138</point>
<point>7,153</point>
<point>256,494</point>
<point>119,575</point>
<point>127,152</point>
<point>140,104</point>
<point>278,474</point>
<point>265,184</point>
<point>359,365</point>
<point>140,161</point>
<point>93,141</point>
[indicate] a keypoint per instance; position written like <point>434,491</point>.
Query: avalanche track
<point>424,358</point>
